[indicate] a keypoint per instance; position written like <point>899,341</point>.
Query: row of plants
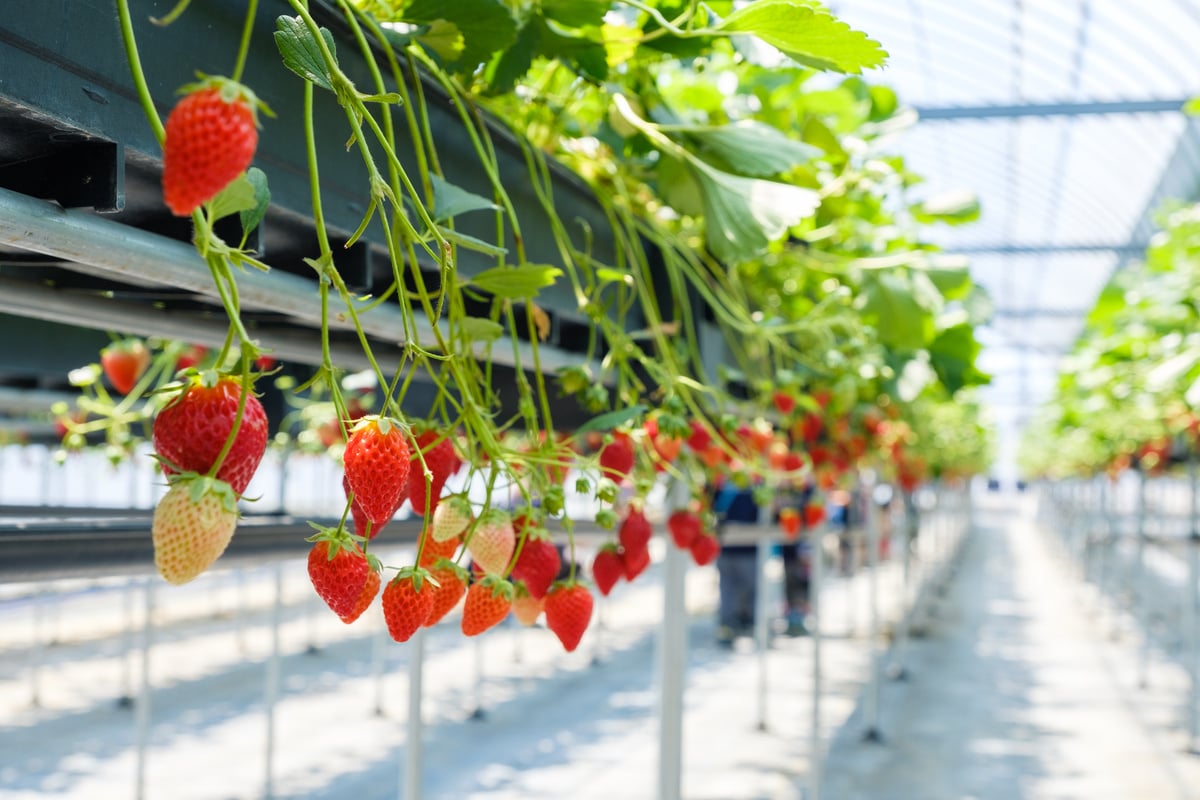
<point>772,316</point>
<point>1128,393</point>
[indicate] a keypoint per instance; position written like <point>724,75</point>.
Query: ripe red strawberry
<point>705,549</point>
<point>452,585</point>
<point>434,550</point>
<point>814,515</point>
<point>492,542</point>
<point>617,457</point>
<point>361,522</point>
<point>793,461</point>
<point>538,563</point>
<point>190,431</point>
<point>789,521</point>
<point>488,603</point>
<point>685,527</point>
<point>191,357</point>
<point>634,562</point>
<point>193,523</point>
<point>338,570</point>
<point>407,602</point>
<point>264,363</point>
<point>526,608</point>
<point>568,612</point>
<point>635,530</point>
<point>700,438</point>
<point>450,518</point>
<point>365,597</point>
<point>667,447</point>
<point>442,462</point>
<point>607,568</point>
<point>784,401</point>
<point>124,362</point>
<point>376,461</point>
<point>211,135</point>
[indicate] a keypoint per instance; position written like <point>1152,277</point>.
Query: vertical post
<point>871,698</point>
<point>598,631</point>
<point>35,650</point>
<point>478,712</point>
<point>672,663</point>
<point>413,739</point>
<point>378,662</point>
<point>143,698</point>
<point>1192,605</point>
<point>242,611</point>
<point>898,671</point>
<point>762,613</point>
<point>814,611</point>
<point>125,698</point>
<point>272,686</point>
<point>1139,588</point>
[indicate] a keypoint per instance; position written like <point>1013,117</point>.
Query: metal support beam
<point>1132,248</point>
<point>1087,108</point>
<point>672,662</point>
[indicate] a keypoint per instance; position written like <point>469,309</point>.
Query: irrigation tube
<point>871,699</point>
<point>672,661</point>
<point>413,738</point>
<point>1192,604</point>
<point>143,698</point>
<point>814,612</point>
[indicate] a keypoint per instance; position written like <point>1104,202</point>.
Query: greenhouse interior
<point>647,399</point>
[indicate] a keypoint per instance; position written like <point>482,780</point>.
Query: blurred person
<point>737,564</point>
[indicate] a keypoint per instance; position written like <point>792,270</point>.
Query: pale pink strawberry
<point>492,542</point>
<point>450,518</point>
<point>193,524</point>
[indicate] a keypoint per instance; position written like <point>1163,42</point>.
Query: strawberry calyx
<point>199,486</point>
<point>418,576</point>
<point>339,539</point>
<point>231,91</point>
<point>499,587</point>
<point>459,571</point>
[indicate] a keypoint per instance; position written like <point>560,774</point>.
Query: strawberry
<point>124,362</point>
<point>568,612</point>
<point>538,563</point>
<point>192,357</point>
<point>814,515</point>
<point>705,549</point>
<point>784,401</point>
<point>700,438</point>
<point>442,462</point>
<point>635,530</point>
<point>492,542</point>
<point>432,550</point>
<point>338,570</point>
<point>365,597</point>
<point>193,523</point>
<point>376,459</point>
<point>265,363</point>
<point>617,457</point>
<point>452,585</point>
<point>793,461</point>
<point>607,568</point>
<point>684,527</point>
<point>789,521</point>
<point>190,431</point>
<point>526,608</point>
<point>361,523</point>
<point>667,447</point>
<point>407,602</point>
<point>450,518</point>
<point>488,603</point>
<point>211,135</point>
<point>634,562</point>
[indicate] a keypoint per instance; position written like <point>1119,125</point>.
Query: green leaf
<point>470,242</point>
<point>479,329</point>
<point>1192,107</point>
<point>301,53</point>
<point>516,282</point>
<point>744,215</point>
<point>485,27</point>
<point>890,304</point>
<point>952,355</point>
<point>806,33</point>
<point>610,275</point>
<point>450,200</point>
<point>678,186</point>
<point>576,13</point>
<point>252,216</point>
<point>443,39</point>
<point>237,196</point>
<point>752,148</point>
<point>611,419</point>
<point>952,280</point>
<point>953,208</point>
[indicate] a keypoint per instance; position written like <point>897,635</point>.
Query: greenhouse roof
<point>1065,118</point>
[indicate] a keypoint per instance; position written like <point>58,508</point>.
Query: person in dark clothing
<point>737,564</point>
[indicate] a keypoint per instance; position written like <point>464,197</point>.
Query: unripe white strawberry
<point>492,542</point>
<point>450,518</point>
<point>193,524</point>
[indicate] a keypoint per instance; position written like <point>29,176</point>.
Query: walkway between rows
<point>1017,691</point>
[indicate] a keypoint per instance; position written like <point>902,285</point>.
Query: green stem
<point>135,68</point>
<point>244,44</point>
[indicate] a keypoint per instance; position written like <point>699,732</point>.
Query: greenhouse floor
<point>1016,688</point>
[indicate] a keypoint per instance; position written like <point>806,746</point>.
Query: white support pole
<point>35,649</point>
<point>598,629</point>
<point>477,689</point>
<point>898,670</point>
<point>814,611</point>
<point>143,698</point>
<point>242,611</point>
<point>762,616</point>
<point>854,539</point>
<point>379,643</point>
<point>125,698</point>
<point>872,732</point>
<point>413,741</point>
<point>1192,606</point>
<point>272,683</point>
<point>672,663</point>
<point>1139,588</point>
